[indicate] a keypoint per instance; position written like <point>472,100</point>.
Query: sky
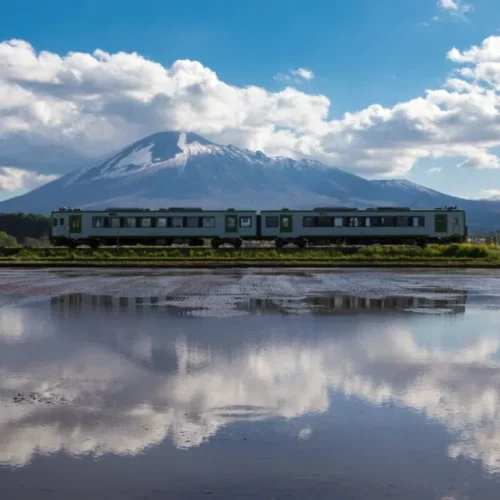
<point>384,89</point>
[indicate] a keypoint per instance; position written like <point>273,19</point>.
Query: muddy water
<point>249,384</point>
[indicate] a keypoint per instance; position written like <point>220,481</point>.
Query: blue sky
<point>362,52</point>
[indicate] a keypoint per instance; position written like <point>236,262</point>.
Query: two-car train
<point>320,226</point>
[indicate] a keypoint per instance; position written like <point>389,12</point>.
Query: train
<point>302,228</point>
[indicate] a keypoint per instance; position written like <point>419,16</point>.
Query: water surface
<point>130,384</point>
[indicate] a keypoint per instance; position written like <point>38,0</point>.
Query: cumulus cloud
<point>97,102</point>
<point>12,179</point>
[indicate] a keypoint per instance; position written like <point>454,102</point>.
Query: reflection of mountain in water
<point>131,384</point>
<point>453,303</point>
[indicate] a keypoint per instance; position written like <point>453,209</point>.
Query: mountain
<point>175,169</point>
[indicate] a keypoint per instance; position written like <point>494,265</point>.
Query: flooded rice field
<point>341,384</point>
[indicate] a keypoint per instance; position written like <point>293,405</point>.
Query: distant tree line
<point>22,226</point>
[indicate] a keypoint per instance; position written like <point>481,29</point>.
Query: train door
<point>441,223</point>
<point>231,223</point>
<point>75,224</point>
<point>286,223</point>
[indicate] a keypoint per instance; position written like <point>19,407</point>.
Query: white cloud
<point>296,75</point>
<point>491,194</point>
<point>457,8</point>
<point>12,179</point>
<point>306,74</point>
<point>98,102</point>
<point>434,170</point>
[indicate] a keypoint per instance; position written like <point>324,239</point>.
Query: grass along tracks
<point>454,255</point>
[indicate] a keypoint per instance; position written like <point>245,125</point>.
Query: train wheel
<point>216,243</point>
<point>301,242</point>
<point>279,243</point>
<point>72,244</point>
<point>94,244</point>
<point>237,243</point>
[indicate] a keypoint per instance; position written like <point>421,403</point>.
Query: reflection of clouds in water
<point>11,325</point>
<point>116,405</point>
<point>305,433</point>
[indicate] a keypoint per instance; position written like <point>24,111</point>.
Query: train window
<point>245,221</point>
<point>357,221</point>
<point>54,222</point>
<point>177,221</point>
<point>339,221</point>
<point>161,222</point>
<point>193,221</point>
<point>388,221</point>
<point>130,221</point>
<point>208,222</point>
<point>403,221</point>
<point>419,221</point>
<point>115,221</point>
<point>146,222</point>
<point>324,221</point>
<point>97,222</point>
<point>272,221</point>
<point>61,221</point>
<point>307,221</point>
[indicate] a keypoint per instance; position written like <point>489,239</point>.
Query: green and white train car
<point>321,226</point>
<point>340,225</point>
<point>132,226</point>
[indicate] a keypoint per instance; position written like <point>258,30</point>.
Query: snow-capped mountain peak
<point>150,154</point>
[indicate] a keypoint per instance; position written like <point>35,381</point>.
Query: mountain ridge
<point>176,168</point>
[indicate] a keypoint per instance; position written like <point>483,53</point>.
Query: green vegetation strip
<point>456,255</point>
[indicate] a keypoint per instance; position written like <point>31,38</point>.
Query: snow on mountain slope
<point>405,185</point>
<point>147,156</point>
<point>176,168</point>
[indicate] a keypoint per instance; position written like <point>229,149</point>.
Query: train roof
<point>314,210</point>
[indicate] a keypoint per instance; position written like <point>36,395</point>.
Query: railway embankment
<point>453,255</point>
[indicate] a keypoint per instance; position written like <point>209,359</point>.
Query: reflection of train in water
<point>132,226</point>
<point>325,304</point>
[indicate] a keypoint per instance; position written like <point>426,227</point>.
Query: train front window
<point>245,222</point>
<point>61,221</point>
<point>54,222</point>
